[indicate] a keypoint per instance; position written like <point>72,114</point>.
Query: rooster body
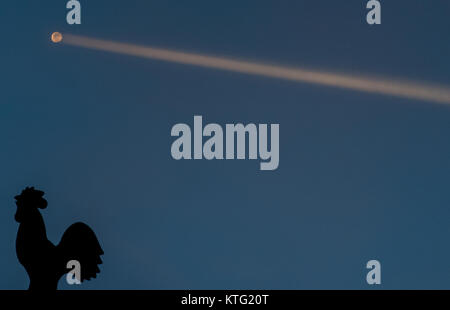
<point>44,262</point>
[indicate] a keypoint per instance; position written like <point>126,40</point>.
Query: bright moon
<point>56,37</point>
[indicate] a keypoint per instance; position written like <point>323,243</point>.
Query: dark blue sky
<point>361,176</point>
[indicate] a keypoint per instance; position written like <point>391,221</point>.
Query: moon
<point>56,37</point>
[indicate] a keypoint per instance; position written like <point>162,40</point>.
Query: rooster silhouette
<point>44,262</point>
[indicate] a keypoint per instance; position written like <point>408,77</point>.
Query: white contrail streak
<point>405,89</point>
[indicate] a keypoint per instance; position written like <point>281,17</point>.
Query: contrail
<point>404,89</point>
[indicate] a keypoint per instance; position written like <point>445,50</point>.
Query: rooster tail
<point>80,243</point>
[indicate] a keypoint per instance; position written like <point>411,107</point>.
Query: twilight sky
<point>361,176</point>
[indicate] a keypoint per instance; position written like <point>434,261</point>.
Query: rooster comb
<point>30,195</point>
